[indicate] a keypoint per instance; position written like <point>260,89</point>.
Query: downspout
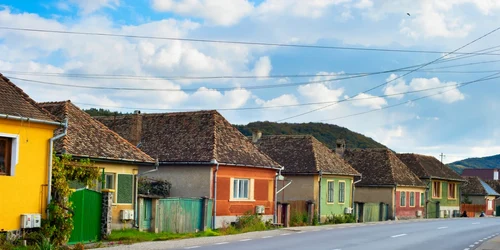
<point>352,190</point>
<point>51,151</point>
<point>394,203</point>
<point>319,196</point>
<point>276,196</point>
<point>427,200</point>
<point>137,191</point>
<point>214,161</point>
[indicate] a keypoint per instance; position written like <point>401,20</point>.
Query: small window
<point>5,155</point>
<point>330,191</point>
<point>109,181</point>
<point>403,199</point>
<point>490,205</point>
<point>422,200</point>
<point>341,192</point>
<point>436,189</point>
<point>241,188</point>
<point>412,199</point>
<point>452,191</point>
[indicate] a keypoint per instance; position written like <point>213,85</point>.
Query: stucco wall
<point>445,203</point>
<point>186,180</point>
<point>336,207</point>
<point>407,211</point>
<point>26,191</point>
<point>376,195</point>
<point>301,188</point>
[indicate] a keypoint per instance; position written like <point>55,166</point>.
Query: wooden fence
<point>473,210</point>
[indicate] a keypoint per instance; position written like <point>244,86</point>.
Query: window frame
<point>412,199</point>
<point>113,175</point>
<point>117,184</point>
<point>422,199</point>
<point>402,198</point>
<point>330,192</point>
<point>236,188</point>
<point>454,197</point>
<point>489,204</point>
<point>342,192</point>
<point>439,191</point>
<point>13,153</point>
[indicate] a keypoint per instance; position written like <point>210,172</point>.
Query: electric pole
<point>442,156</point>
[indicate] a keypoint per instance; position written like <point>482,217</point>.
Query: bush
<point>340,219</point>
<point>45,244</point>
<point>250,222</point>
<point>152,186</point>
<point>299,219</point>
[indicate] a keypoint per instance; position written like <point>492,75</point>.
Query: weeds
<point>298,219</point>
<point>340,219</point>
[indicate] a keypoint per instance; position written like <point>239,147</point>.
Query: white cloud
<point>300,8</point>
<point>209,99</point>
<point>219,12</point>
<point>363,4</point>
<point>395,87</point>
<point>367,100</point>
<point>318,92</point>
<point>90,6</point>
<point>286,99</point>
<point>447,95</point>
<point>263,67</point>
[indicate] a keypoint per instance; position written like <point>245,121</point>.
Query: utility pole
<point>442,156</point>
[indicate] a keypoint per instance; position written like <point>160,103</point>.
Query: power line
<point>277,106</point>
<point>399,77</point>
<point>490,77</point>
<point>233,42</point>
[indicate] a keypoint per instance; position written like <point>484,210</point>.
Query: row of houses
<point>204,157</point>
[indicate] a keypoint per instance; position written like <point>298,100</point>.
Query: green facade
<point>443,201</point>
<point>337,207</point>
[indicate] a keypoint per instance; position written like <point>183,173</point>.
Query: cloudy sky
<point>460,122</point>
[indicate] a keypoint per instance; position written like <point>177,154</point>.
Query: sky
<point>459,122</point>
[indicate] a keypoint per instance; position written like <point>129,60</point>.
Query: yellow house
<point>119,160</point>
<point>26,130</point>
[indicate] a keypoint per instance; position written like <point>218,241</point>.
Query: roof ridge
<point>391,166</point>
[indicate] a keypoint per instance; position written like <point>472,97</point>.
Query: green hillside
<point>326,133</point>
<point>485,162</point>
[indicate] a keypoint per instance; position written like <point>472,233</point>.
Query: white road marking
<point>442,227</point>
<point>476,223</point>
<point>471,246</point>
<point>475,243</point>
<point>267,237</point>
<point>480,240</point>
<point>466,248</point>
<point>222,243</point>
<point>398,235</point>
<point>341,227</point>
<point>245,239</point>
<point>485,238</point>
<point>315,230</point>
<point>192,247</point>
<point>285,234</point>
<point>300,232</point>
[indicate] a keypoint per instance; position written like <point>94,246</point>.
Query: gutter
<point>19,118</point>
<point>51,150</point>
<point>319,196</point>
<point>136,216</point>
<point>214,161</point>
<point>352,190</point>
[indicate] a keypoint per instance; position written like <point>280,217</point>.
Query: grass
<point>128,236</point>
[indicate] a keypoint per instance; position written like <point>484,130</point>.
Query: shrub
<point>298,219</point>
<point>154,186</point>
<point>250,222</point>
<point>340,219</point>
<point>45,244</point>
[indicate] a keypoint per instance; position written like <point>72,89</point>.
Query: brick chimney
<point>340,147</point>
<point>136,128</point>
<point>256,135</point>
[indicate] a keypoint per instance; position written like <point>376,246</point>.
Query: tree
<point>65,169</point>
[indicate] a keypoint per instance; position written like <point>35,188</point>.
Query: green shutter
<point>125,188</point>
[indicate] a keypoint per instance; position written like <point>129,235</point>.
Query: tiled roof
<point>189,137</point>
<point>303,154</point>
<point>381,167</point>
<point>428,167</point>
<point>13,101</point>
<point>475,186</point>
<point>87,137</point>
<point>495,184</point>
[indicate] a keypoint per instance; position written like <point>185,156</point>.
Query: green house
<point>443,185</point>
<point>314,175</point>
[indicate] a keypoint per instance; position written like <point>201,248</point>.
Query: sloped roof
<point>381,167</point>
<point>304,154</point>
<point>87,137</point>
<point>475,186</point>
<point>189,137</point>
<point>13,101</point>
<point>495,184</point>
<point>428,167</point>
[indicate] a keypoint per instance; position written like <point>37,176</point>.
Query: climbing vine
<point>64,170</point>
<point>154,186</point>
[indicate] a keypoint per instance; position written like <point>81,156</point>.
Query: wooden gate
<point>87,205</point>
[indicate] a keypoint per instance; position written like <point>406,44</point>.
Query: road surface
<point>448,234</point>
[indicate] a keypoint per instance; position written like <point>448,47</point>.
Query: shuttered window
<point>330,191</point>
<point>125,191</point>
<point>341,192</point>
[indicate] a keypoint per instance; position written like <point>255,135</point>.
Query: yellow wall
<point>26,191</point>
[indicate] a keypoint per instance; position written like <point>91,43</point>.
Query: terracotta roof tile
<point>189,137</point>
<point>87,137</point>
<point>495,184</point>
<point>15,102</point>
<point>381,167</point>
<point>428,167</point>
<point>304,154</point>
<point>475,186</point>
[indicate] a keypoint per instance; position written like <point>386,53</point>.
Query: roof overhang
<point>442,178</point>
<point>26,119</point>
<point>211,164</point>
<point>113,160</point>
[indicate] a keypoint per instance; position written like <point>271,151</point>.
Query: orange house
<point>202,155</point>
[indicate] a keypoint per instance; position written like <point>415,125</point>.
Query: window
<point>5,155</point>
<point>109,181</point>
<point>412,199</point>
<point>341,192</point>
<point>490,204</point>
<point>436,189</point>
<point>241,188</point>
<point>125,190</point>
<point>330,191</point>
<point>422,200</point>
<point>452,191</point>
<point>402,201</point>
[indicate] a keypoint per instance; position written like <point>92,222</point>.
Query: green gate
<point>497,213</point>
<point>87,205</point>
<point>183,215</point>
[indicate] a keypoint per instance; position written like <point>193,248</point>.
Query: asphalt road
<point>457,234</point>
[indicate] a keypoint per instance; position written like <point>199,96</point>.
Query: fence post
<point>204,213</point>
<point>286,214</point>
<point>106,215</point>
<point>310,212</point>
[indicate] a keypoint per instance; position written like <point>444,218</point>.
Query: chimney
<point>256,134</point>
<point>136,128</point>
<point>340,148</point>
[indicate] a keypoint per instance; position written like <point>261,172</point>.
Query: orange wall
<point>263,190</point>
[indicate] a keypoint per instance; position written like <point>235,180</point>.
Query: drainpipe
<point>137,190</point>
<point>214,161</point>
<point>276,195</point>
<point>51,150</point>
<point>319,195</point>
<point>394,202</point>
<point>352,190</point>
<point>427,200</point>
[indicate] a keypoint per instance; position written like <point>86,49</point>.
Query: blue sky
<point>460,123</point>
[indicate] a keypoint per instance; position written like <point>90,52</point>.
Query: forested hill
<point>326,133</point>
<point>484,162</point>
